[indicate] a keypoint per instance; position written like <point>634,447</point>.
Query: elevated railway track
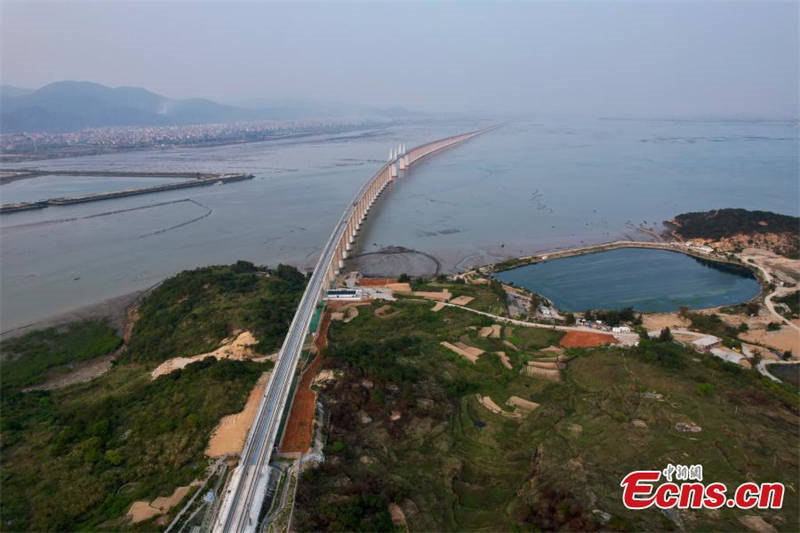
<point>245,493</point>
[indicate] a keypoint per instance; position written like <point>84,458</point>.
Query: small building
<point>352,295</point>
<point>621,329</point>
<point>705,344</point>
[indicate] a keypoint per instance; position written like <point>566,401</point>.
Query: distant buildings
<point>706,344</point>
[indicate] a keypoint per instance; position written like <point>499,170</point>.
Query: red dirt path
<point>376,282</point>
<point>300,426</point>
<point>583,339</point>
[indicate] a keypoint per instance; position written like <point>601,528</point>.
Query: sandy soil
<point>488,403</point>
<point>438,306</point>
<point>469,352</point>
<point>399,287</point>
<point>551,365</point>
<point>521,404</point>
<point>790,267</point>
<point>511,345</point>
<point>238,349</point>
<point>782,340</point>
<point>581,339</point>
<point>229,435</point>
<point>398,516</point>
<point>504,359</point>
<point>142,510</point>
<point>546,373</point>
<point>441,296</point>
<point>553,349</point>
<point>659,321</point>
<point>462,300</point>
<point>493,331</point>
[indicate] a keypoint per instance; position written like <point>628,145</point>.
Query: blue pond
<point>647,280</point>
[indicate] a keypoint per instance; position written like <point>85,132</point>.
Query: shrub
<point>705,389</point>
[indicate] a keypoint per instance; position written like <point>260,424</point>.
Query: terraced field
<point>407,428</point>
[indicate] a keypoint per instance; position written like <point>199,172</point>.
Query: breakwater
<point>615,245</point>
<point>197,180</point>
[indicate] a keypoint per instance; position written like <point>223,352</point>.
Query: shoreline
<point>673,246</point>
<point>115,309</point>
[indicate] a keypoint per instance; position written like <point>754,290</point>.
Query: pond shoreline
<point>675,247</point>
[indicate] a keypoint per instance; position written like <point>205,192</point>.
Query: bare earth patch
<point>582,339</point>
<point>398,516</point>
<point>659,321</point>
<point>557,350</point>
<point>468,352</point>
<point>441,296</point>
<point>438,306</point>
<point>142,510</point>
<point>784,339</point>
<point>522,404</point>
<point>493,331</point>
<point>546,373</point>
<point>488,403</point>
<point>238,349</point>
<point>462,300</point>
<point>80,372</point>
<point>504,359</point>
<point>229,435</point>
<point>756,523</point>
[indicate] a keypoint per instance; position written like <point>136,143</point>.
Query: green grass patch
<point>26,360</point>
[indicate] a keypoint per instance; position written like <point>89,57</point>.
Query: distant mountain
<point>73,105</point>
<point>10,90</point>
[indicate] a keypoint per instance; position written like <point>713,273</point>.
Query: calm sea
<point>528,186</point>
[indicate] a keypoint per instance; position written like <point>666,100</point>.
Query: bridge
<point>245,492</point>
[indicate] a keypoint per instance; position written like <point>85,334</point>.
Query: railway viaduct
<point>244,494</point>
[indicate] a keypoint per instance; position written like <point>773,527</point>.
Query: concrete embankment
<point>201,181</point>
<point>666,246</point>
<point>674,247</point>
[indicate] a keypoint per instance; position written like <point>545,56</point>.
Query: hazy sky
<point>658,59</point>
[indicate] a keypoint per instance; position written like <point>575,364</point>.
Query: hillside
<point>420,434</point>
<point>73,105</point>
<point>740,228</point>
<point>77,457</point>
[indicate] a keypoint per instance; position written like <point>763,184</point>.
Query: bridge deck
<point>244,496</point>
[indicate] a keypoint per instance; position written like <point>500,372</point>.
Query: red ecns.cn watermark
<point>641,490</point>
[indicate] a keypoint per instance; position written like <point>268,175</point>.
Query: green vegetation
<point>614,317</point>
<point>792,301</point>
<point>77,457</point>
<point>773,326</point>
<point>26,360</point>
<point>195,310</point>
<point>711,323</point>
<point>488,297</point>
<point>406,428</point>
<point>721,223</point>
